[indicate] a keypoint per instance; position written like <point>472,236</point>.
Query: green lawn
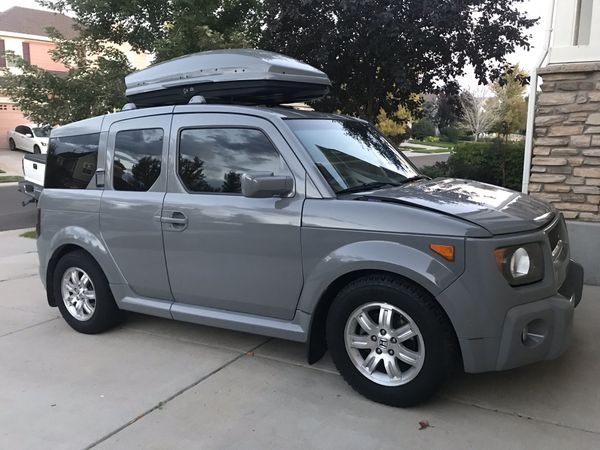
<point>32,234</point>
<point>10,178</point>
<point>423,150</point>
<point>446,145</point>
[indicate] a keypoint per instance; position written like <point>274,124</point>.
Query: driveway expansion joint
<point>29,327</point>
<point>520,415</point>
<point>162,403</point>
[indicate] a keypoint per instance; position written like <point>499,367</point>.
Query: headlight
<point>521,264</point>
<point>44,143</point>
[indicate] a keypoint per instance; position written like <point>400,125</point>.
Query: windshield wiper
<point>415,178</point>
<point>367,187</point>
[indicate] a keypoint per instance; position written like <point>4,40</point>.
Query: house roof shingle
<point>35,22</point>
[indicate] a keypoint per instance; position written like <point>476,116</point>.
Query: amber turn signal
<point>446,251</point>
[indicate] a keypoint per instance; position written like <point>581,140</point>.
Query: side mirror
<point>29,135</point>
<point>266,185</point>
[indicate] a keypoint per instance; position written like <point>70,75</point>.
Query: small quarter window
<point>214,159</point>
<point>137,160</point>
<point>71,161</point>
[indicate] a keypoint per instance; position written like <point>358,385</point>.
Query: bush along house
<point>562,157</point>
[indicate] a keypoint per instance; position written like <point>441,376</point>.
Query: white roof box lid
<point>239,76</point>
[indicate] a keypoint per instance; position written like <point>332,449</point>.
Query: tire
<point>104,313</point>
<point>36,150</point>
<point>427,340</point>
<point>12,145</point>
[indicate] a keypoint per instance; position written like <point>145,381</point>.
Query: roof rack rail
<point>128,107</point>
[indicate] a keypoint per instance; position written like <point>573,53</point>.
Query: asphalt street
<point>12,215</point>
<point>428,160</point>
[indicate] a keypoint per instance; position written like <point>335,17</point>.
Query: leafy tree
<point>232,182</point>
<point>449,109</point>
<point>167,28</point>
<point>395,127</point>
<point>512,106</point>
<point>93,84</point>
<point>423,128</point>
<point>378,52</point>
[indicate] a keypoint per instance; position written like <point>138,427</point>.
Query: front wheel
<point>36,149</point>
<point>83,294</point>
<point>12,145</point>
<point>390,340</point>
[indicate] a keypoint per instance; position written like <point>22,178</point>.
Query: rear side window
<point>138,155</point>
<point>72,161</point>
<point>214,159</point>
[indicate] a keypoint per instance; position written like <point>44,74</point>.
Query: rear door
<point>27,140</point>
<point>136,180</point>
<point>19,137</point>
<point>224,250</point>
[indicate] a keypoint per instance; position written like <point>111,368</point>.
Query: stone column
<point>566,155</point>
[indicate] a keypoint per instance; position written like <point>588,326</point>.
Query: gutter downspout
<point>533,85</point>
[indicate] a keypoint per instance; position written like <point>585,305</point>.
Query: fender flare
<point>351,261</point>
<point>77,238</point>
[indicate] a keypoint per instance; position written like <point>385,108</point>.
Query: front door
<point>224,250</point>
<point>136,180</point>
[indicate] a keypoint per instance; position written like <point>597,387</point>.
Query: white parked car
<point>30,138</point>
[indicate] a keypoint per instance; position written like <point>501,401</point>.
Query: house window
<point>583,24</point>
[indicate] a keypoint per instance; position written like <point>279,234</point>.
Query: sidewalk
<point>11,162</point>
<point>155,383</point>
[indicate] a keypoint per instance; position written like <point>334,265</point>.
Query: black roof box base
<point>248,92</point>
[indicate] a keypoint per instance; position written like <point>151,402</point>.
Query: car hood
<point>498,210</point>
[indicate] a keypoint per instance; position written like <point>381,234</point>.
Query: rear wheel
<point>83,294</point>
<point>36,149</point>
<point>390,340</point>
<point>12,145</point>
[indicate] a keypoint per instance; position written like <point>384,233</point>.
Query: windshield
<point>352,155</point>
<point>42,132</point>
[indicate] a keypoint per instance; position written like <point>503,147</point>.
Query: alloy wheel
<point>78,293</point>
<point>384,344</point>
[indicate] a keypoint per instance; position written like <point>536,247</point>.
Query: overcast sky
<point>534,8</point>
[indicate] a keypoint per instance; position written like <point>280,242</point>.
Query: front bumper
<point>532,332</point>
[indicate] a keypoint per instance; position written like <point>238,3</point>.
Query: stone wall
<point>566,153</point>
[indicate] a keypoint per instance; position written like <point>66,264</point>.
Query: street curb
<point>11,183</point>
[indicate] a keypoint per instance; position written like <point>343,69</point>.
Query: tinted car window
<point>137,159</point>
<point>72,161</point>
<point>42,131</point>
<point>20,129</point>
<point>213,160</point>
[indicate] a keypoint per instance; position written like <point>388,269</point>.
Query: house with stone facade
<point>562,164</point>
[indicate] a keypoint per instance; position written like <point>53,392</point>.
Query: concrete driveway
<point>158,384</point>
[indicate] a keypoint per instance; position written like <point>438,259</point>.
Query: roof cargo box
<point>242,76</point>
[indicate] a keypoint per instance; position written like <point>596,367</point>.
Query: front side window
<point>72,161</point>
<point>351,154</point>
<point>214,159</point>
<point>137,160</point>
<point>42,132</point>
